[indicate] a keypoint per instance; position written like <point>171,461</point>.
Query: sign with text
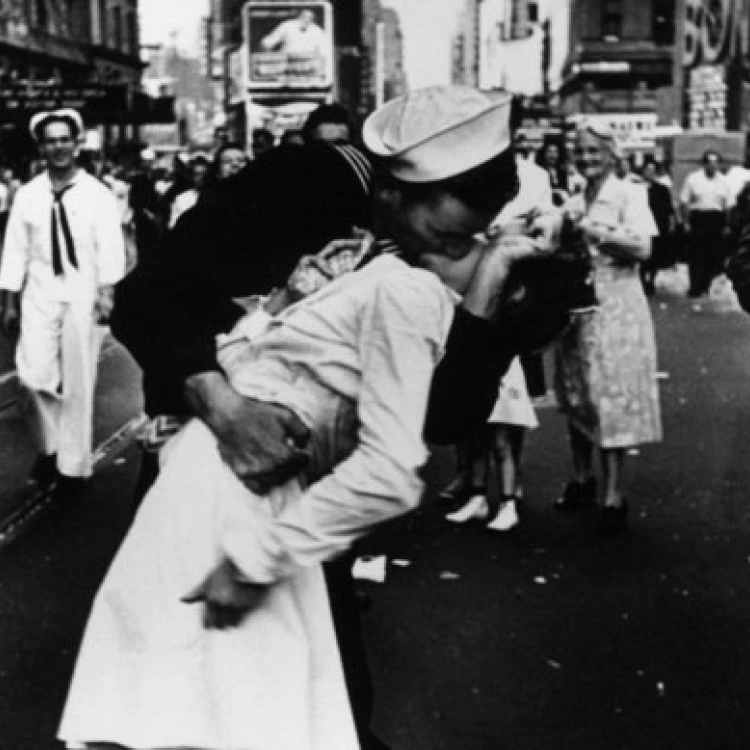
<point>712,31</point>
<point>97,103</point>
<point>289,45</point>
<point>707,97</point>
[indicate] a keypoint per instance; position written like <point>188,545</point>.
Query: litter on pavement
<point>370,568</point>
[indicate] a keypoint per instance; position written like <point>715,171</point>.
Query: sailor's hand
<point>262,443</point>
<point>226,597</point>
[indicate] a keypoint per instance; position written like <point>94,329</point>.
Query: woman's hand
<point>227,598</point>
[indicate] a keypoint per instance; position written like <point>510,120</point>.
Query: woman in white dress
<point>257,667</point>
<point>503,441</point>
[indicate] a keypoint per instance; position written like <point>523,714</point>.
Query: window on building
<point>117,30</point>
<point>132,33</point>
<point>41,14</point>
<point>103,22</point>
<point>663,21</point>
<point>612,18</point>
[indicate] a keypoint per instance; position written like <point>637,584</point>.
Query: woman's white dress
<point>355,362</point>
<point>513,405</point>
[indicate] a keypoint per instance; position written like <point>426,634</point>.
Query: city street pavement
<point>118,401</point>
<point>547,638</point>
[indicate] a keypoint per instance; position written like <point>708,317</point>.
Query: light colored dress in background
<point>513,405</point>
<point>605,378</point>
<point>354,361</point>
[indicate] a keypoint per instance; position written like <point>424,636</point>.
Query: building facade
<point>621,58</point>
<point>80,53</point>
<point>368,60</point>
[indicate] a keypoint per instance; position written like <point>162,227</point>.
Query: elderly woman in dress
<point>606,360</point>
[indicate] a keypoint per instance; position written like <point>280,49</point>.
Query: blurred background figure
<point>263,140</point>
<point>663,245</point>
<point>198,171</point>
<point>228,160</point>
<point>706,202</point>
<point>292,138</point>
<point>329,122</point>
<point>550,158</point>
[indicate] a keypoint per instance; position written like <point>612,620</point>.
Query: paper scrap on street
<point>370,568</point>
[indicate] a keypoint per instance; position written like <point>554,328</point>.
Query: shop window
<point>117,35</point>
<point>132,32</point>
<point>612,19</point>
<point>41,13</point>
<point>103,23</point>
<point>663,21</point>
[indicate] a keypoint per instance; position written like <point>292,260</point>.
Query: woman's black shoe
<point>576,495</point>
<point>612,520</point>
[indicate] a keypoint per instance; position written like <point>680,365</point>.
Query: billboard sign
<point>289,46</point>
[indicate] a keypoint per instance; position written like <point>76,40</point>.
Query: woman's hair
<point>603,133</point>
<point>487,187</point>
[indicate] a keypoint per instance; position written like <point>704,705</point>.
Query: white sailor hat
<point>67,114</point>
<point>438,132</point>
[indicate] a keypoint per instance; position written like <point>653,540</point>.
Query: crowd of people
<point>308,321</point>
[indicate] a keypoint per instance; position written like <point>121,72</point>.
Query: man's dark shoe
<point>44,472</point>
<point>576,495</point>
<point>70,487</point>
<point>612,520</point>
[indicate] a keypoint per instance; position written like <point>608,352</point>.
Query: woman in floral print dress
<point>606,360</point>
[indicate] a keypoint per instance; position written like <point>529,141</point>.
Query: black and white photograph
<point>374,374</point>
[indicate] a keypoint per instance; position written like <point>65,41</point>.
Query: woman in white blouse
<point>606,360</point>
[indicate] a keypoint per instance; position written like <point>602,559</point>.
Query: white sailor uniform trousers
<point>58,250</point>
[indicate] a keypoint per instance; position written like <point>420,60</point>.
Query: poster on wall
<point>289,45</point>
<point>707,98</point>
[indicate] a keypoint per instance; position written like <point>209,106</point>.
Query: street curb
<point>21,519</point>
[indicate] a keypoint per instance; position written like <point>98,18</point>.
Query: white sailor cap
<point>66,114</point>
<point>438,132</point>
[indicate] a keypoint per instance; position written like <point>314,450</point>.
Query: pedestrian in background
<point>198,172</point>
<point>706,201</point>
<point>662,246</point>
<point>229,159</point>
<point>502,440</point>
<point>606,360</point>
<point>331,123</point>
<point>549,158</point>
<point>64,251</point>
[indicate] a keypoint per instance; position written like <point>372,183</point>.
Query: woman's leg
<point>582,450</point>
<point>507,445</point>
<point>582,489</point>
<point>613,518</point>
<point>476,506</point>
<point>612,463</point>
<point>460,487</point>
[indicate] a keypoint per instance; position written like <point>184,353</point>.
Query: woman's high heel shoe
<point>477,509</point>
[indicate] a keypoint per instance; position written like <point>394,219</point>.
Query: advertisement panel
<point>289,46</point>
